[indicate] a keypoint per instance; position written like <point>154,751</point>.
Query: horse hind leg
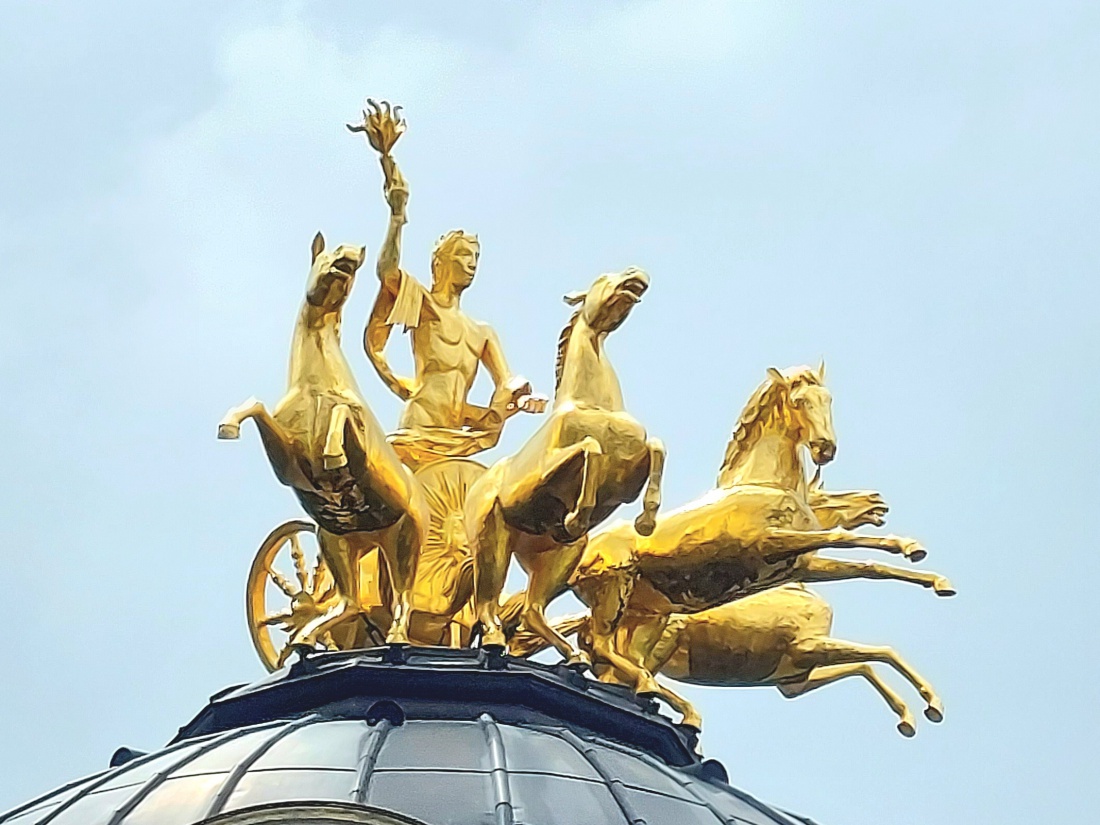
<point>549,574</point>
<point>831,673</point>
<point>400,545</point>
<point>646,522</point>
<point>828,651</point>
<point>490,545</point>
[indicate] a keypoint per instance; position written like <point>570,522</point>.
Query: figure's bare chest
<point>448,339</point>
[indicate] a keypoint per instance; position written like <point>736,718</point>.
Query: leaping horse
<point>325,444</point>
<point>778,638</point>
<point>586,460</point>
<point>756,531</point>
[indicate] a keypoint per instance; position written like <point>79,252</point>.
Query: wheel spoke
<point>299,561</point>
<point>282,582</point>
<point>320,574</point>
<point>282,617</point>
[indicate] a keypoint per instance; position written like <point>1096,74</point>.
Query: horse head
<point>607,303</point>
<point>807,405</point>
<point>332,273</point>
<point>792,404</point>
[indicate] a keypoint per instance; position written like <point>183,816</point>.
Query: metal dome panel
<point>438,763</point>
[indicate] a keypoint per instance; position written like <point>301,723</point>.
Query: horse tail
<point>526,643</point>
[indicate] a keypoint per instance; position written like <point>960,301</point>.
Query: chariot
<point>280,603</point>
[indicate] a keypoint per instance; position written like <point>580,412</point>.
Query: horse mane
<point>762,400</point>
<point>563,347</point>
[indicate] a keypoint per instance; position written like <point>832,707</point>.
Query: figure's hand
<point>382,124</point>
<point>524,399</point>
<point>533,403</point>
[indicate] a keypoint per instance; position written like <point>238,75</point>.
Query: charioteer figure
<point>448,346</point>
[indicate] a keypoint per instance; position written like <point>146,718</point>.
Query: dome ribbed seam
<point>614,784</point>
<point>502,791</point>
<point>234,778</point>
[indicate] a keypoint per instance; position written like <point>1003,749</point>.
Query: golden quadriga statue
<point>415,538</point>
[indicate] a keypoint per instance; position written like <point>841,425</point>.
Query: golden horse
<point>586,460</point>
<point>777,638</point>
<point>755,531</point>
<point>325,444</point>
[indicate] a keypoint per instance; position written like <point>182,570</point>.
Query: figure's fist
<point>382,124</point>
<point>534,403</point>
<point>524,398</point>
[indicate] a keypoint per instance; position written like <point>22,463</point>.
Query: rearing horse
<point>586,460</point>
<point>325,444</point>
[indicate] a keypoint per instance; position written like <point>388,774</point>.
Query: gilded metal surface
<point>756,531</point>
<point>324,443</point>
<point>586,460</point>
<point>448,346</point>
<point>411,540</point>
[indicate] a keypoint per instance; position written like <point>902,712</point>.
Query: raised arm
<point>389,254</point>
<point>382,125</point>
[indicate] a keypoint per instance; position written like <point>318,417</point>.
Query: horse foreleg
<point>334,456</point>
<point>280,448</point>
<point>548,574</point>
<point>827,651</point>
<point>646,522</point>
<point>819,569</point>
<point>780,543</point>
<point>577,521</point>
<point>607,603</point>
<point>831,673</point>
<point>229,428</point>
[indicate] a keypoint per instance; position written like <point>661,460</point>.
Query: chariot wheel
<point>280,602</point>
<point>303,594</point>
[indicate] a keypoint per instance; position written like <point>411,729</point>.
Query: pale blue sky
<point>909,189</point>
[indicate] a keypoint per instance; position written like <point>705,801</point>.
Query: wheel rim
<point>302,588</point>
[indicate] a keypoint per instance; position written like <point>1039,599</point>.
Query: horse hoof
<point>913,551</point>
<point>398,638</point>
<point>693,722</point>
<point>229,432</point>
<point>648,689</point>
<point>575,526</point>
<point>579,661</point>
<point>301,648</point>
<point>934,711</point>
<point>645,524</point>
<point>907,729</point>
<point>943,587</point>
<point>494,641</point>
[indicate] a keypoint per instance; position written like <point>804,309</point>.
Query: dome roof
<point>439,738</point>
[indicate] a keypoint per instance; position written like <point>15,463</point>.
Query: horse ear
<point>318,246</point>
<point>574,298</point>
<point>776,376</point>
<point>821,371</point>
